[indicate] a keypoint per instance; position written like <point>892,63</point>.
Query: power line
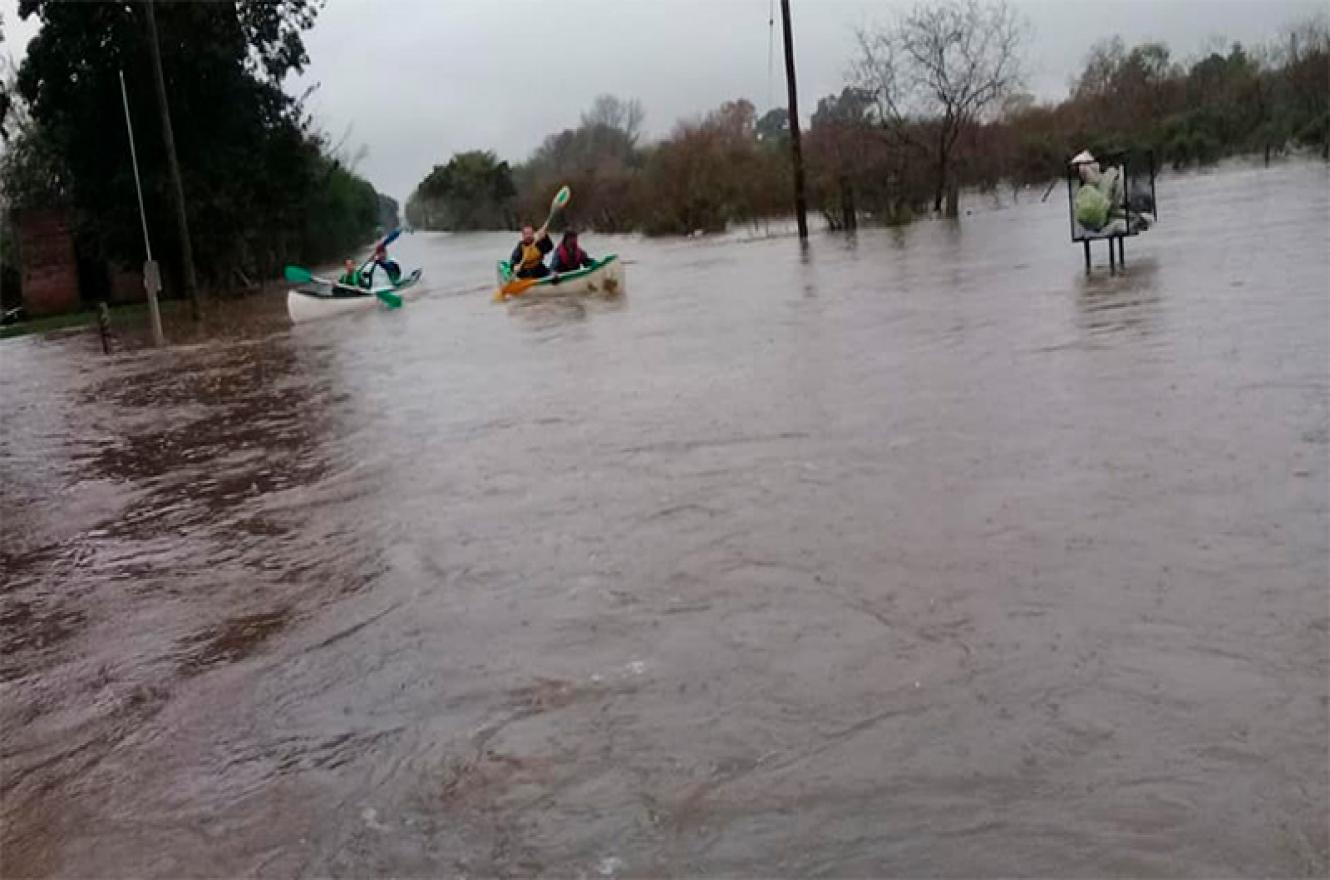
<point>771,43</point>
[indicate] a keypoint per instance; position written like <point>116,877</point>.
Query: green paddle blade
<point>297,275</point>
<point>390,299</point>
<point>560,199</point>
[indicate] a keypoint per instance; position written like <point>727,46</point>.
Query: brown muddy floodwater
<point>916,554</point>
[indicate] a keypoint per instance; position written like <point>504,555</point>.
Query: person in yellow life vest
<point>528,259</point>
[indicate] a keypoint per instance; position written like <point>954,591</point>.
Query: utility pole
<point>182,222</point>
<point>152,279</point>
<point>796,148</point>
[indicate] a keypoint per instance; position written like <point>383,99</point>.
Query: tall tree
<point>4,88</point>
<point>246,159</point>
<point>950,62</point>
<point>713,172</point>
<point>616,113</point>
<point>847,156</point>
<point>1307,82</point>
<point>473,191</point>
<point>774,127</point>
<point>599,159</point>
<point>389,217</point>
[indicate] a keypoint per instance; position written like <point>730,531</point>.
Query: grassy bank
<point>120,315</point>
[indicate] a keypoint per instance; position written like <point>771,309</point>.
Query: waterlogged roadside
<point>916,553</point>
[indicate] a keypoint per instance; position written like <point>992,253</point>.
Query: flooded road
<point>919,553</point>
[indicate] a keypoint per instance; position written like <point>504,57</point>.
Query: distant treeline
<point>262,186</point>
<point>935,105</point>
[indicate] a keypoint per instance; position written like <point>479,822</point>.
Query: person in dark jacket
<point>568,256</point>
<point>381,261</point>
<point>528,259</point>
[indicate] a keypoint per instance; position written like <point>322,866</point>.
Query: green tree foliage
<point>31,172</point>
<point>1221,104</point>
<point>9,292</point>
<point>258,187</point>
<point>340,210</point>
<point>1303,90</point>
<point>4,90</point>
<point>773,129</point>
<point>473,191</point>
<point>389,214</point>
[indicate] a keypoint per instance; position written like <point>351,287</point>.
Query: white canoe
<point>605,278</point>
<point>323,299</point>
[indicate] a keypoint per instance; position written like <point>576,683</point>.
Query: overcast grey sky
<point>421,79</point>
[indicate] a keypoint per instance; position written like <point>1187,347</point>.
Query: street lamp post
<point>152,276</point>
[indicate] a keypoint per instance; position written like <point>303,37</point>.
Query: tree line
<point>263,186</point>
<point>935,103</point>
<point>723,167</point>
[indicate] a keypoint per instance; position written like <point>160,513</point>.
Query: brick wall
<point>50,278</point>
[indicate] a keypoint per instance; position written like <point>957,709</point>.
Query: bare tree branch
<point>947,65</point>
<point>612,112</point>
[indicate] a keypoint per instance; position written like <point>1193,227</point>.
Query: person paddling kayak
<point>528,258</point>
<point>351,276</point>
<point>568,256</point>
<point>381,261</point>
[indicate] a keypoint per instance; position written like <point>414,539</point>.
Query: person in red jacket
<point>568,256</point>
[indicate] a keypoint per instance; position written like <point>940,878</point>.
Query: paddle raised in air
<point>517,286</point>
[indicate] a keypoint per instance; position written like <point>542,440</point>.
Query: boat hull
<point>606,279</point>
<point>319,300</point>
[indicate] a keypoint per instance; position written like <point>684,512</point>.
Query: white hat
<point>1083,158</point>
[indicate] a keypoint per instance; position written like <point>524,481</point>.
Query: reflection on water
<point>1126,301</point>
<point>552,310</point>
<point>915,552</point>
